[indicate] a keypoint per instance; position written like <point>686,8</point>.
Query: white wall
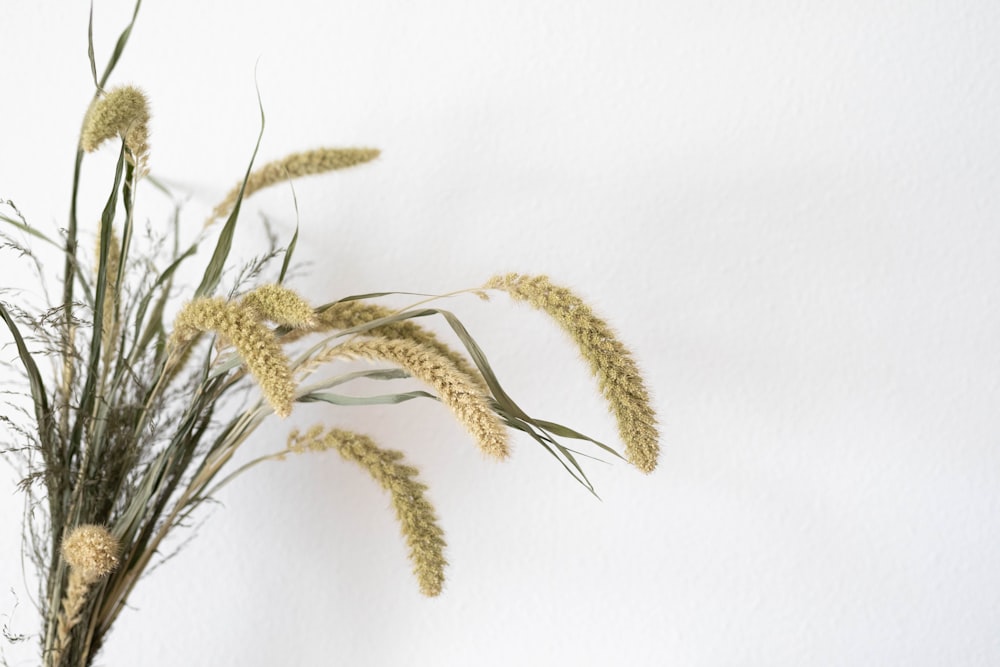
<point>789,210</point>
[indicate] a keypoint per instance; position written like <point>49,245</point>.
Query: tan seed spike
<point>296,165</point>
<point>610,361</point>
<point>91,550</point>
<point>256,345</point>
<point>92,554</point>
<point>455,389</point>
<point>417,519</point>
<point>280,305</point>
<point>122,111</point>
<point>348,314</point>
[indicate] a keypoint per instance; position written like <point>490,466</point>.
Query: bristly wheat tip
<point>256,345</point>
<point>458,391</point>
<point>349,314</point>
<point>610,361</point>
<point>296,165</point>
<point>280,305</point>
<point>122,111</point>
<point>416,515</point>
<point>91,550</point>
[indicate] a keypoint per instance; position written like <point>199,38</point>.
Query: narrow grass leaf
<point>213,273</point>
<point>385,399</point>
<point>290,250</point>
<point>119,46</point>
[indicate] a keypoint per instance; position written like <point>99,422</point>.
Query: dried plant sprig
<point>456,389</point>
<point>280,305</point>
<point>256,345</point>
<point>348,314</point>
<point>610,361</point>
<point>127,431</point>
<point>91,552</point>
<point>111,325</point>
<point>296,165</point>
<point>417,518</point>
<point>122,111</point>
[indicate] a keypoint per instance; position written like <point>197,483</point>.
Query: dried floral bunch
<point>132,428</point>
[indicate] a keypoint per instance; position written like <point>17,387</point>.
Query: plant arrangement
<point>139,389</point>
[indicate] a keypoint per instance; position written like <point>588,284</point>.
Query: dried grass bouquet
<point>139,389</point>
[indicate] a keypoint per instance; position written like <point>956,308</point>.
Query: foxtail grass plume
<point>455,389</point>
<point>316,161</point>
<point>91,552</point>
<point>349,314</point>
<point>417,519</point>
<point>122,111</point>
<point>280,305</point>
<point>256,345</point>
<point>610,361</point>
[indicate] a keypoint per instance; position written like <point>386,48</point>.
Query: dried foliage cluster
<point>127,427</point>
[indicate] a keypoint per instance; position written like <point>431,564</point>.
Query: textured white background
<point>789,210</point>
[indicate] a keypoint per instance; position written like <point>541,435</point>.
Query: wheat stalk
<point>455,389</point>
<point>416,515</point>
<point>296,165</point>
<point>610,361</point>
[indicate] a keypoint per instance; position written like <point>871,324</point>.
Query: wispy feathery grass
<point>256,345</point>
<point>455,389</point>
<point>296,165</point>
<point>610,361</point>
<point>122,111</point>
<point>417,519</point>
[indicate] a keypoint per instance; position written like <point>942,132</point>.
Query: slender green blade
<point>340,399</point>
<point>119,46</point>
<point>290,250</point>
<point>213,273</point>
<point>42,413</point>
<point>83,414</point>
<point>90,45</point>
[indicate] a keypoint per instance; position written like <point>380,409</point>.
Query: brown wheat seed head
<point>307,163</point>
<point>416,515</point>
<point>456,390</point>
<point>256,345</point>
<point>610,361</point>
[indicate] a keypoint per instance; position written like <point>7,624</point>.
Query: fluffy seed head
<point>610,361</point>
<point>457,390</point>
<point>256,345</point>
<point>350,314</point>
<point>91,550</point>
<point>417,518</point>
<point>280,305</point>
<point>122,111</point>
<point>296,165</point>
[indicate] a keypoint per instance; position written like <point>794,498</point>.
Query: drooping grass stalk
<point>417,518</point>
<point>610,361</point>
<point>456,390</point>
<point>257,346</point>
<point>296,165</point>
